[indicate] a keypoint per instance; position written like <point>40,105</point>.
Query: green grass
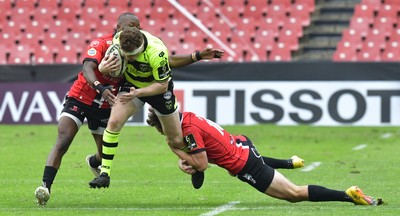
<point>146,180</point>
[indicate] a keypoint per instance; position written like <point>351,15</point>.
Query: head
<point>131,41</point>
<point>127,20</point>
<point>153,120</point>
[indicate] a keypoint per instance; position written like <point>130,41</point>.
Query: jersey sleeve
<point>96,50</point>
<point>193,140</point>
<point>160,65</point>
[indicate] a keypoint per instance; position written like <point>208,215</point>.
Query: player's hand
<point>109,64</point>
<point>109,96</point>
<point>125,98</point>
<point>210,53</point>
<point>185,167</point>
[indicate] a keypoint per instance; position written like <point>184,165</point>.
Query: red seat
<point>384,24</point>
<point>365,11</point>
<point>12,29</point>
<point>21,55</point>
<point>345,51</point>
<point>289,38</point>
<point>375,4</point>
<point>77,40</point>
<point>344,56</point>
<point>376,36</point>
<point>66,55</point>
<point>95,4</point>
<point>394,3</point>
<point>391,54</point>
<point>266,38</point>
<point>285,5</point>
<point>69,10</point>
<point>5,10</point>
<point>255,8</point>
<point>370,51</point>
<point>360,25</point>
<point>293,24</point>
<point>353,37</point>
<point>43,55</point>
<point>278,13</point>
<point>24,7</point>
<point>387,10</point>
<point>260,51</point>
<point>269,23</point>
<point>310,4</point>
<point>280,52</point>
<point>300,12</point>
<point>90,18</point>
<point>121,4</point>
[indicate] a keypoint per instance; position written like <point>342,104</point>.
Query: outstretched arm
<point>176,61</point>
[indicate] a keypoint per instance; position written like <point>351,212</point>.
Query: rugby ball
<point>115,49</point>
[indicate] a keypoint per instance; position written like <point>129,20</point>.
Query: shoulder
<point>103,40</point>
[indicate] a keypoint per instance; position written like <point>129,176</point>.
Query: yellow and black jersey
<point>151,65</point>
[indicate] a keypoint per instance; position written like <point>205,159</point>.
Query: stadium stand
<point>248,30</point>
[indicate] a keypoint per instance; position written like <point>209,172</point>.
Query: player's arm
<point>176,61</point>
<point>197,160</point>
<point>106,92</point>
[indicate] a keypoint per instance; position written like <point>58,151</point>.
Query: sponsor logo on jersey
<point>161,54</point>
<point>92,52</point>
<point>94,43</point>
<point>168,95</point>
<point>190,142</point>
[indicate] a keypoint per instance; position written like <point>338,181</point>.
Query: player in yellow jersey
<point>148,80</point>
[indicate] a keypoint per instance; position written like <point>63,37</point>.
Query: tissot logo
<point>283,103</point>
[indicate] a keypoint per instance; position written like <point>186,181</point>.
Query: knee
<point>114,124</point>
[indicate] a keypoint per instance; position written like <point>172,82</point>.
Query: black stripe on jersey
<point>141,79</point>
<point>197,151</point>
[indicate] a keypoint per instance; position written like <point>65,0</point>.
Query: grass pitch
<point>145,179</point>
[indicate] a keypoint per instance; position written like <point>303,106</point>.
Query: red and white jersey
<point>221,147</point>
<point>81,90</point>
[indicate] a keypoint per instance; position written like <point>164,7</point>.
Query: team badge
<point>168,105</point>
<point>92,52</point>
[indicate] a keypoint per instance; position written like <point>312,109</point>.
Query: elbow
<point>201,167</point>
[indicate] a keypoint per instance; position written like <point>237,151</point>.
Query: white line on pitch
<point>310,167</point>
<point>221,209</point>
<point>359,147</point>
<point>386,135</point>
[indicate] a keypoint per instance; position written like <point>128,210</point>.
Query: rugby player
<point>90,97</point>
<point>207,142</point>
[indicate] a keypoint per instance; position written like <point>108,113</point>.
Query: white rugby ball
<point>115,50</point>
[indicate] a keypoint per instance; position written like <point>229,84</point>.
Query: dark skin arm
<point>88,72</point>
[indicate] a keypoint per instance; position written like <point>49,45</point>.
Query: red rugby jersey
<point>81,89</point>
<point>221,147</point>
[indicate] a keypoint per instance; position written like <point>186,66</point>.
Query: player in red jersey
<point>90,97</point>
<point>207,142</point>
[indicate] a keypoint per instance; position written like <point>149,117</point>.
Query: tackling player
<point>90,97</point>
<point>207,142</point>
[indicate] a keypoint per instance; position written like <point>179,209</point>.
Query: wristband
<point>99,87</point>
<point>196,56</point>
